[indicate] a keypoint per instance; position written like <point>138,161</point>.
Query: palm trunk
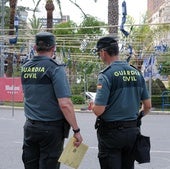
<point>13,4</point>
<point>113,16</point>
<point>9,67</point>
<point>50,8</point>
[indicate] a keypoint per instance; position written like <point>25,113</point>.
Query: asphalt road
<point>11,135</point>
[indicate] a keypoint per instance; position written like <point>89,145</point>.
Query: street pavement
<point>155,125</point>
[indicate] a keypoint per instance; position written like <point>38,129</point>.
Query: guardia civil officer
<point>48,109</point>
<point>120,91</point>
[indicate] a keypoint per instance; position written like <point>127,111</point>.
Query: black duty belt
<point>45,122</point>
<point>119,124</point>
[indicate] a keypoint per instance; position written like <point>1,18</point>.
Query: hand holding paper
<point>72,156</point>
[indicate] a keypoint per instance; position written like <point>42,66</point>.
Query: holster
<point>66,129</point>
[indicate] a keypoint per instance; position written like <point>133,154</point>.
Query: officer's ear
<point>35,47</point>
<point>53,48</point>
<point>104,52</point>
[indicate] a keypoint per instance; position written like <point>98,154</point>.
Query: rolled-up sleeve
<point>103,90</point>
<point>60,83</point>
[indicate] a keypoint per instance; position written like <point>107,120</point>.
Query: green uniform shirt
<point>120,88</point>
<point>43,82</point>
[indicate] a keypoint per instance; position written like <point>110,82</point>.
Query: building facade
<point>158,11</point>
<point>65,18</point>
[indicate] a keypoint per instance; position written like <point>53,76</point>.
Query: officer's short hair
<point>108,44</point>
<point>44,41</point>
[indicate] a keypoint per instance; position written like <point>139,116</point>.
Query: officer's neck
<point>48,54</point>
<point>112,59</point>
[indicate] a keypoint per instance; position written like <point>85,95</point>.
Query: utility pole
<point>2,40</point>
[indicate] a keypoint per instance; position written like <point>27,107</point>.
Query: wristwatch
<point>76,131</point>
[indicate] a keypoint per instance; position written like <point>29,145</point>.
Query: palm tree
<point>113,13</point>
<point>35,25</point>
<point>49,8</point>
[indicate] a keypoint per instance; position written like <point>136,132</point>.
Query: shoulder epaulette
<point>136,68</point>
<point>108,67</point>
<point>59,64</point>
<point>25,62</point>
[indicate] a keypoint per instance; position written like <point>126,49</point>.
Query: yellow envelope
<point>71,155</point>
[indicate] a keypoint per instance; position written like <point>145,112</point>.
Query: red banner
<point>11,89</point>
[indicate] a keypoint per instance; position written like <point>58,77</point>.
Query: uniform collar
<point>118,62</point>
<point>41,58</point>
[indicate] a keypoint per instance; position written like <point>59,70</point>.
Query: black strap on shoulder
<point>54,61</point>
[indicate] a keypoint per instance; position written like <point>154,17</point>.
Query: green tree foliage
<point>164,62</point>
<point>65,28</point>
<point>142,37</point>
<point>87,67</point>
<point>157,86</point>
<point>156,90</point>
<point>6,16</point>
<point>35,25</point>
<point>64,32</point>
<point>80,64</point>
<point>160,84</point>
<point>90,25</point>
<point>161,31</point>
<point>77,99</point>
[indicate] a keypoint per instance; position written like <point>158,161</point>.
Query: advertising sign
<point>11,89</point>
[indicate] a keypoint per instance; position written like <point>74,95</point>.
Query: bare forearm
<point>146,106</point>
<point>70,116</point>
<point>98,110</point>
<point>67,108</point>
